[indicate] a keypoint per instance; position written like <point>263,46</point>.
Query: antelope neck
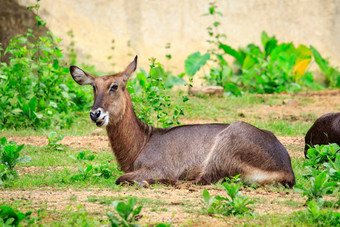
<point>128,138</point>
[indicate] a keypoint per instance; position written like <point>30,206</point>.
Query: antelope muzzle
<point>100,117</point>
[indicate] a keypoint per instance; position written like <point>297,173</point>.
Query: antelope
<point>325,130</point>
<point>199,153</point>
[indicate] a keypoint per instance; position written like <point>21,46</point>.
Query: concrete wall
<point>150,24</point>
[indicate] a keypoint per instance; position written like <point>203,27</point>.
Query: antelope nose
<point>94,115</point>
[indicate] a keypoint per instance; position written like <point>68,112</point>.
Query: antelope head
<point>110,95</point>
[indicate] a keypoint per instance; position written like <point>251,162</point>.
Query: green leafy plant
<point>209,202</point>
<point>84,155</point>
<point>36,89</point>
<point>5,174</point>
<point>320,154</point>
<point>11,217</point>
<point>53,139</point>
<point>333,169</point>
<point>272,67</point>
<point>235,204</point>
<point>332,74</point>
<point>194,62</point>
<point>106,170</point>
<point>313,215</point>
<point>320,186</point>
<point>9,157</point>
<point>152,102</point>
<point>127,212</point>
<point>84,172</point>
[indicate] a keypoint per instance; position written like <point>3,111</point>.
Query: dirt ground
<point>182,202</point>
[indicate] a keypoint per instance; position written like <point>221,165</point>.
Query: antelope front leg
<point>145,176</point>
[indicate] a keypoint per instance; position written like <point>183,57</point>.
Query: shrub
<point>273,67</point>
<point>320,154</point>
<point>333,168</point>
<point>11,217</point>
<point>9,157</point>
<point>127,213</point>
<point>320,186</point>
<point>35,86</point>
<point>236,204</point>
<point>150,96</point>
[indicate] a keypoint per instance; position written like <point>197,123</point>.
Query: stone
<point>291,102</point>
<point>207,90</point>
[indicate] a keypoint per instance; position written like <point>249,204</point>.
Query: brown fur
<point>202,153</point>
<point>325,130</point>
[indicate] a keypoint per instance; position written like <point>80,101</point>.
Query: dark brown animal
<point>325,130</point>
<point>202,153</point>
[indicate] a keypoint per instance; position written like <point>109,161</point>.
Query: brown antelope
<point>325,130</point>
<point>203,153</point>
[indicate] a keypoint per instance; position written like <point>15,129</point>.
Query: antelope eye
<point>114,87</point>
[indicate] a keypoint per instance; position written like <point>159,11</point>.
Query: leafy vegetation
<point>11,217</point>
<point>236,204</point>
<point>35,86</point>
<point>322,172</point>
<point>320,154</point>
<point>86,169</point>
<point>272,68</point>
<point>53,140</point>
<point>152,103</point>
<point>9,157</point>
<point>127,213</point>
<point>39,95</point>
<point>313,215</point>
<point>320,186</point>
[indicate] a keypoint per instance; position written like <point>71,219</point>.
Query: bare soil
<point>180,204</point>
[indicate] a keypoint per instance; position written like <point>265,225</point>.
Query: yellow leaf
<point>300,68</point>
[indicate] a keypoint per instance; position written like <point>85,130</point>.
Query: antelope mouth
<point>103,122</point>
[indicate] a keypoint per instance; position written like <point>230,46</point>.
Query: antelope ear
<point>129,70</point>
<point>80,76</point>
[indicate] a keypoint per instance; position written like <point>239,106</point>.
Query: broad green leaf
<point>268,43</point>
<point>249,62</point>
<point>113,220</point>
<point>32,104</point>
<point>304,52</point>
<point>3,140</point>
<point>220,57</point>
<point>229,50</point>
<point>7,212</point>
<point>123,210</point>
<point>136,211</point>
<point>194,62</point>
<point>323,64</point>
<point>172,81</point>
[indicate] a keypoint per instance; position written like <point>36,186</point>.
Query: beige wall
<point>150,24</point>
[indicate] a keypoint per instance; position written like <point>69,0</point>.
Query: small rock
<point>98,132</point>
<point>207,90</point>
<point>291,102</point>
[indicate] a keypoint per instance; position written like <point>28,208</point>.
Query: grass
<point>89,199</point>
<point>205,109</point>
